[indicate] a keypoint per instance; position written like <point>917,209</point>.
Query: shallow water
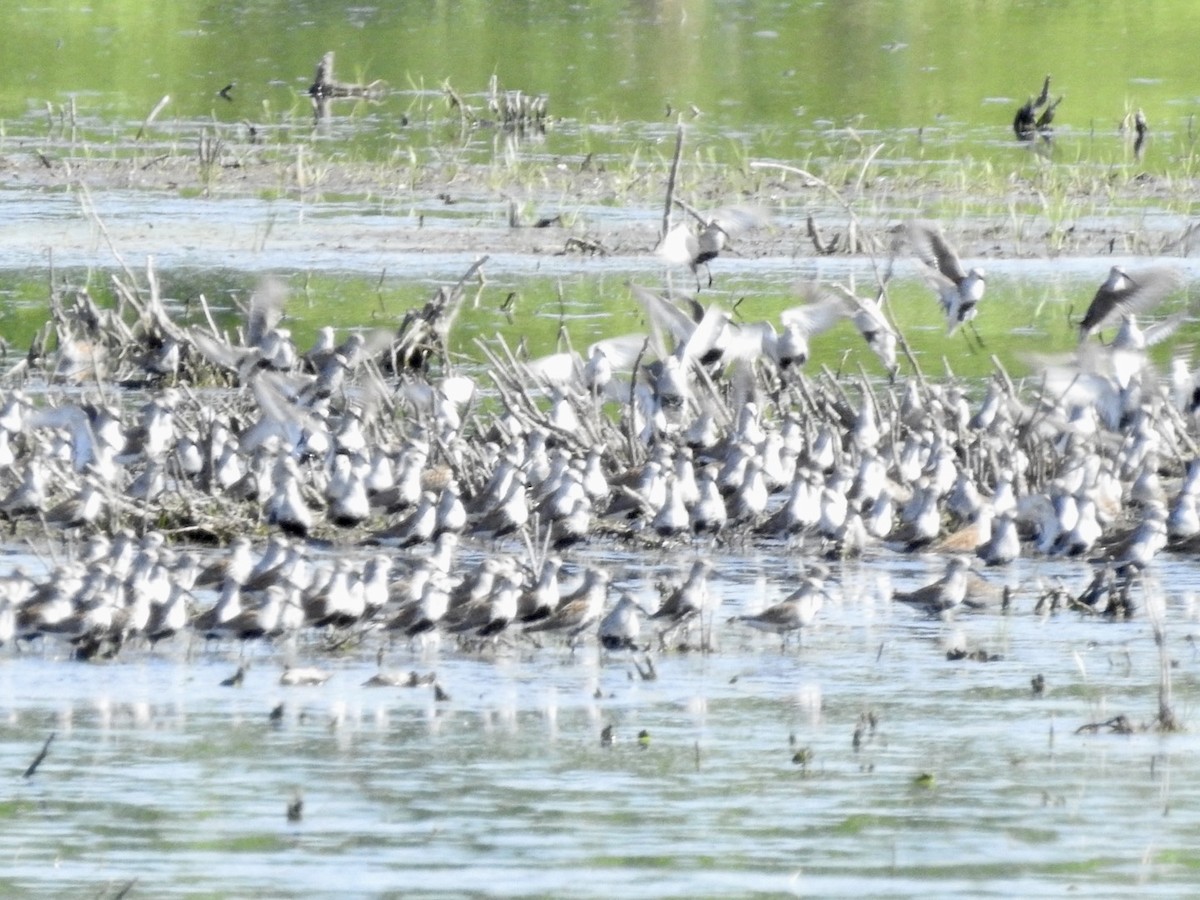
<point>158,774</point>
<point>754,69</point>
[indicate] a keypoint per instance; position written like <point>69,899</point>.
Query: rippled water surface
<point>747,781</point>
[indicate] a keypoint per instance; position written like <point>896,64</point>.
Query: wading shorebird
<point>579,610</point>
<point>621,627</point>
<point>796,611</point>
<point>942,596</point>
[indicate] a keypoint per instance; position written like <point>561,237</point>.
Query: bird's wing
<point>555,370</point>
<point>679,246</point>
<point>1069,386</point>
<point>622,351</point>
<point>664,316</point>
<point>377,342</point>
<point>707,335</point>
<point>822,313</point>
<point>735,219</point>
<point>932,249</point>
<point>274,396</point>
<point>1145,289</point>
<point>748,340</point>
<point>867,313</point>
<point>369,394</point>
<point>219,353</point>
<point>1160,331</point>
<point>266,309</point>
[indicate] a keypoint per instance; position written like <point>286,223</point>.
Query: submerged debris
<point>37,760</point>
<point>326,87</point>
<point>1115,725</point>
<point>864,729</point>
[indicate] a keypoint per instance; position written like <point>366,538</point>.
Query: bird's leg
<point>976,346</point>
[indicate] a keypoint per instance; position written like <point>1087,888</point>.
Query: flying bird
<point>695,247</point>
<point>1123,293</point>
<point>959,289</point>
<point>872,324</point>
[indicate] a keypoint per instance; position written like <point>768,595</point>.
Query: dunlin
<point>1124,293</point>
<point>942,596</point>
<point>959,289</point>
<point>578,611</point>
<point>798,610</point>
<point>621,627</point>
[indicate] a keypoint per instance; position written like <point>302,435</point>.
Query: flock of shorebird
<point>366,468</point>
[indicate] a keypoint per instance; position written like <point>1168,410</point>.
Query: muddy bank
<point>277,207</point>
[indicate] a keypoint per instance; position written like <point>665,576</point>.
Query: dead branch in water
<point>326,87</point>
<point>516,110</point>
<point>1156,612</point>
<point>666,222</point>
<point>37,761</point>
<point>159,107</point>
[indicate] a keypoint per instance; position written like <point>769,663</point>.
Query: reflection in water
<point>199,778</point>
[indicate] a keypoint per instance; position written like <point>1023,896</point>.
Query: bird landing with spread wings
<point>959,289</point>
<point>685,245</point>
<point>1126,294</point>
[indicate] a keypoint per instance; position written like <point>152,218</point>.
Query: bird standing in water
<point>619,630</point>
<point>796,611</point>
<point>943,596</point>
